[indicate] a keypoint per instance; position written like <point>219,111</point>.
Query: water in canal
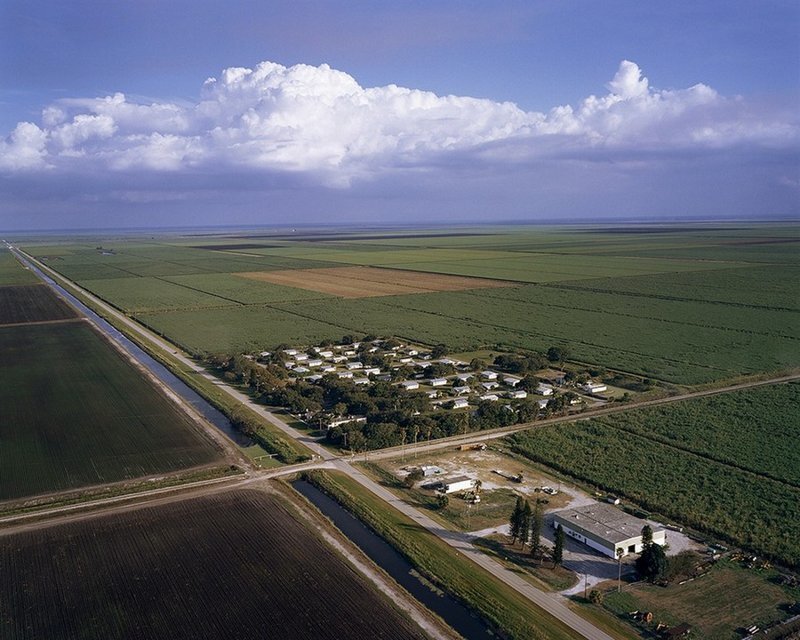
<point>189,395</point>
<point>385,556</point>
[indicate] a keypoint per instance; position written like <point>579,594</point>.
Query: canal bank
<point>453,612</point>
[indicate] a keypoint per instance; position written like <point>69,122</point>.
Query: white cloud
<point>320,121</point>
<point>24,149</point>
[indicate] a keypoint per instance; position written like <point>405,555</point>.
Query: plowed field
<point>231,565</point>
<point>32,303</point>
<point>369,282</point>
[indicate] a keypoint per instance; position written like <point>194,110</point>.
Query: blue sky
<point>395,111</point>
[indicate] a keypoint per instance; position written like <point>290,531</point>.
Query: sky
<point>153,113</point>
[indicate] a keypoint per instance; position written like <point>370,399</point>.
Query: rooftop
<point>606,521</point>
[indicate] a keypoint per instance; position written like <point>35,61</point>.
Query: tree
<point>525,523</point>
<point>647,536</point>
<point>558,546</point>
<point>413,476</point>
<point>536,529</point>
<point>516,519</point>
<point>596,596</point>
<point>652,563</point>
<point>442,500</point>
<point>558,354</point>
<point>439,351</point>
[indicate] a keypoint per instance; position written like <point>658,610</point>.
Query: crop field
<point>246,328</point>
<point>598,328</point>
<point>12,272</point>
<point>151,294</point>
<point>368,282</point>
<point>32,303</point>
<point>234,288</point>
<point>725,465</point>
<point>755,430</point>
<point>75,413</point>
<point>230,565</point>
<point>657,301</point>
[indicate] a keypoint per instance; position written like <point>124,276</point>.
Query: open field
<point>716,606</point>
<point>236,564</point>
<point>691,462</point>
<point>75,413</point>
<point>367,282</point>
<point>12,272</point>
<point>32,303</point>
<point>655,301</point>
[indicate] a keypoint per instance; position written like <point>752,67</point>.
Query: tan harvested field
<point>371,282</point>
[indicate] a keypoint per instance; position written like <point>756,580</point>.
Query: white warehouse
<point>459,483</point>
<point>605,528</point>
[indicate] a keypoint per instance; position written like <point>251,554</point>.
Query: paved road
<point>553,603</point>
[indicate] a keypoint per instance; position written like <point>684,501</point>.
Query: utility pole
<point>620,551</point>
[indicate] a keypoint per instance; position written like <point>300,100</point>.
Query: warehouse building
<point>459,483</point>
<point>605,528</point>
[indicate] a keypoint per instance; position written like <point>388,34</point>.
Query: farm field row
<point>236,564</point>
<point>753,429</point>
<point>76,413</point>
<point>32,303</point>
<point>671,471</point>
<point>81,262</point>
<point>687,321</point>
<point>755,286</point>
<point>661,339</point>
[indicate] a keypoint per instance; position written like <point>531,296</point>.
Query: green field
<point>689,305</point>
<point>727,465</point>
<point>75,413</point>
<point>12,272</point>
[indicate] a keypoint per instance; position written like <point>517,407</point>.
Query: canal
<point>385,556</point>
<point>189,395</point>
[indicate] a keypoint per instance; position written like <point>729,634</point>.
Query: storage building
<point>606,528</point>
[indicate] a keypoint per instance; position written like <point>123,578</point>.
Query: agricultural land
<point>394,338</point>
<point>74,411</point>
<point>235,564</point>
<point>689,305</point>
<point>725,465</point>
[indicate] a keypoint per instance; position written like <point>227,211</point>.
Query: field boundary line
<point>90,505</point>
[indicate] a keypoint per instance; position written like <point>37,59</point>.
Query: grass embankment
<point>443,565</point>
<point>128,489</point>
<point>266,435</point>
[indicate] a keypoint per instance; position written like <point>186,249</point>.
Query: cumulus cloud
<point>320,122</point>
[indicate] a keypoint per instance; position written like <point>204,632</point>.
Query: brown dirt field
<point>370,282</point>
<point>235,564</point>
